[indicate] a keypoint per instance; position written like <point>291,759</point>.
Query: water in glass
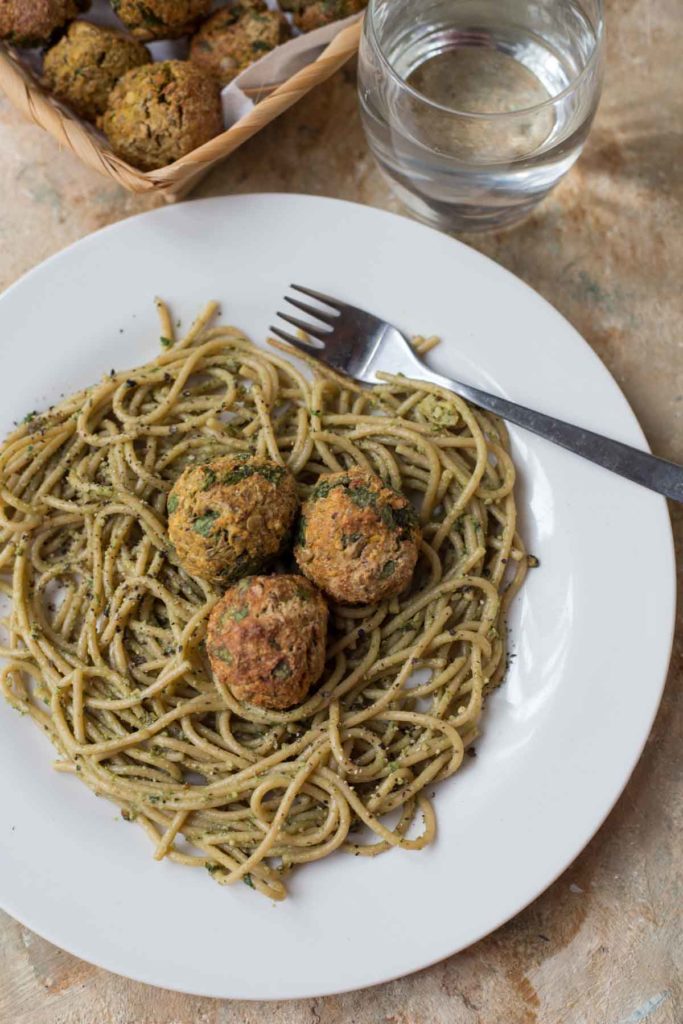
<point>475,109</point>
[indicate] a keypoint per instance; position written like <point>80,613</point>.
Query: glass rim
<point>497,115</point>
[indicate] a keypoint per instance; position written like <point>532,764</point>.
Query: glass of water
<point>475,109</point>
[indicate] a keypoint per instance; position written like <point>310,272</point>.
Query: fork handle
<point>657,474</point>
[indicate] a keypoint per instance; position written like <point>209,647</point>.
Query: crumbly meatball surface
<point>311,14</point>
<point>85,65</point>
<point>34,22</point>
<point>159,113</point>
<point>229,517</point>
<point>266,640</point>
<point>236,36</point>
<point>161,19</point>
<point>358,539</point>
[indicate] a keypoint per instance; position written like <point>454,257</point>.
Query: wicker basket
<point>176,180</point>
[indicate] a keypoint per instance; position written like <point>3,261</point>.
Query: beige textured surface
<point>603,945</point>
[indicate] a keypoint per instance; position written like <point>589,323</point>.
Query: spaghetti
<point>105,639</point>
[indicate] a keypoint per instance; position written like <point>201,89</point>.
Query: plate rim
<point>601,816</point>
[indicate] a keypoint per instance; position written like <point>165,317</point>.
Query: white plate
<point>592,628</point>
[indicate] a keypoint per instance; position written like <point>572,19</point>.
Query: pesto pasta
<point>104,643</point>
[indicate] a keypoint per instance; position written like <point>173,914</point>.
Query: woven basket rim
<point>29,97</point>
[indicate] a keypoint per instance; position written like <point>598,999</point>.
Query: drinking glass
<point>475,109</point>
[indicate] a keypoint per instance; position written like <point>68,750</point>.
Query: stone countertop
<point>604,944</point>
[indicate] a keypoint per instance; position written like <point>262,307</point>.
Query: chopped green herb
<point>29,416</point>
<point>402,519</point>
<point>238,614</point>
<point>348,539</point>
<point>388,569</point>
<point>172,503</point>
<point>223,654</point>
<point>233,476</point>
<point>209,478</point>
<point>273,474</point>
<point>166,342</point>
<point>282,670</point>
<point>248,880</point>
<point>322,489</point>
<point>203,525</point>
<point>363,497</point>
<point>150,17</point>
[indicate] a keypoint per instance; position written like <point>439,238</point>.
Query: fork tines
<point>311,330</point>
<point>326,299</point>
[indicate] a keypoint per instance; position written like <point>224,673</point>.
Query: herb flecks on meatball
<point>159,113</point>
<point>358,539</point>
<point>85,65</point>
<point>237,36</point>
<point>266,640</point>
<point>161,19</point>
<point>228,518</point>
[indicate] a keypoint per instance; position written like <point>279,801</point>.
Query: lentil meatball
<point>85,65</point>
<point>229,517</point>
<point>160,112</point>
<point>161,19</point>
<point>236,36</point>
<point>266,640</point>
<point>310,14</point>
<point>358,539</point>
<point>34,22</point>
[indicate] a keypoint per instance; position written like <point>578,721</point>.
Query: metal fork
<point>358,344</point>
